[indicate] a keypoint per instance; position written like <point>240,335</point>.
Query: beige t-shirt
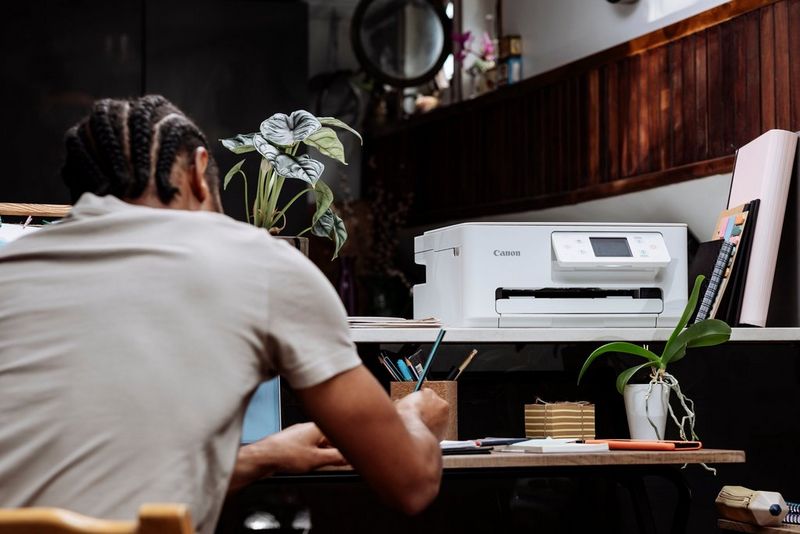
<point>131,339</point>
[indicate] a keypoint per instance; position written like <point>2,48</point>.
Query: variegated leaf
<point>332,121</point>
<point>331,226</point>
<point>286,130</point>
<point>326,141</point>
<point>324,199</point>
<point>240,144</point>
<point>302,168</point>
<point>265,148</point>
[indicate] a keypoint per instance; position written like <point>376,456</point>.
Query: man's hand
<point>297,449</point>
<point>429,407</point>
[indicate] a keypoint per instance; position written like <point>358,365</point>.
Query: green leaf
<point>332,121</point>
<point>687,312</point>
<point>324,199</point>
<point>265,148</point>
<point>326,141</point>
<point>231,173</point>
<point>331,226</point>
<point>703,334</point>
<point>240,144</point>
<point>625,376</point>
<point>617,346</point>
<point>301,168</point>
<point>286,130</point>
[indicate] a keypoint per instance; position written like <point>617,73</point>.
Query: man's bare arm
<point>392,446</point>
<point>297,449</point>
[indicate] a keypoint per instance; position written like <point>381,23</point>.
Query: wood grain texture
<point>737,526</point>
<point>516,460</point>
<point>34,210</point>
<point>667,107</point>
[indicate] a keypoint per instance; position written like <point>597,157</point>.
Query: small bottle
<point>763,508</point>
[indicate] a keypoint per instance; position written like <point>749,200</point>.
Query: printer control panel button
<point>610,250</point>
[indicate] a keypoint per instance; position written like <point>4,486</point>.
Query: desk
<point>736,526</point>
<point>492,481</point>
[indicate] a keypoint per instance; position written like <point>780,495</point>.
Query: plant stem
<point>246,199</point>
<point>304,231</point>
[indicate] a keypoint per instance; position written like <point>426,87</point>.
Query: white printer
<point>552,274</point>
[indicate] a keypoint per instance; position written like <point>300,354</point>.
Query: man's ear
<point>197,178</point>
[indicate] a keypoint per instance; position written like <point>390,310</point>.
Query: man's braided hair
<point>124,145</point>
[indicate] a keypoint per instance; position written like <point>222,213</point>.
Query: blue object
<point>430,359</point>
<point>401,365</point>
<point>263,414</point>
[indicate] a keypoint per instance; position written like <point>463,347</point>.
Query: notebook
<point>553,445</point>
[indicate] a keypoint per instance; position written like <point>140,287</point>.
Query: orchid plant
<point>277,142</point>
<point>703,333</point>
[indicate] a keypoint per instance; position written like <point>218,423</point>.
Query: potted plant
<point>277,142</point>
<point>647,405</point>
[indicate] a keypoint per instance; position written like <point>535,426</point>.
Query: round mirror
<point>400,42</point>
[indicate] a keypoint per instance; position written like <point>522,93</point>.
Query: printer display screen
<point>615,247</point>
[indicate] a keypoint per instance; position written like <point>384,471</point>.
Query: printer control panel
<point>610,250</point>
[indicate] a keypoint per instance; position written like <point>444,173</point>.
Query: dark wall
<point>227,64</point>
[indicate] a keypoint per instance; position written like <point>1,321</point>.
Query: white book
<point>763,171</point>
<point>549,445</point>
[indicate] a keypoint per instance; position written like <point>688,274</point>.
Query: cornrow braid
<point>175,133</point>
<point>104,123</point>
<point>140,128</point>
<point>80,172</point>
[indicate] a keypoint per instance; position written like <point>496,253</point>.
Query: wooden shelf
<point>555,335</point>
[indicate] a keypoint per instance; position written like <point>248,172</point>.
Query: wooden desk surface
<point>736,526</point>
<point>499,460</point>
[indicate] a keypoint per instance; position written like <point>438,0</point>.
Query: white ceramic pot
<point>657,407</point>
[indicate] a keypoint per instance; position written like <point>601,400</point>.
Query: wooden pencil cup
<point>448,390</point>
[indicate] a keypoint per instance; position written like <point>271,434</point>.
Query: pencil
<point>430,359</point>
<point>465,363</point>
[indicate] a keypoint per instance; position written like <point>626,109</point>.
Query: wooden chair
<point>153,519</point>
<point>34,210</point>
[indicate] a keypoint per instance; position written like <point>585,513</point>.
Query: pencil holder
<point>448,390</point>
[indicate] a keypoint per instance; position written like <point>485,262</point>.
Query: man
<point>133,333</point>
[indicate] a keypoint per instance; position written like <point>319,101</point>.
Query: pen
<point>385,362</point>
<point>465,363</point>
<point>412,368</point>
<point>401,365</point>
<point>430,359</point>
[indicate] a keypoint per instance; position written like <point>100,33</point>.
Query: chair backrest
<point>153,519</point>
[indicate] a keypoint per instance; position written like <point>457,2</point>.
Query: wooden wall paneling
<point>643,150</point>
<point>628,119</point>
<point>665,139</point>
<point>766,66</point>
<point>611,146</point>
<point>725,115</point>
<point>738,82</point>
<point>701,97</point>
<point>782,108</point>
<point>794,63</point>
<point>665,108</point>
<point>688,148</point>
<point>675,105</point>
<point>593,135</point>
<point>752,110</point>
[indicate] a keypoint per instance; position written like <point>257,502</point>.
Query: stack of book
<point>740,261</point>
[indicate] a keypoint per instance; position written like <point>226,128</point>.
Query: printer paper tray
<point>545,306</point>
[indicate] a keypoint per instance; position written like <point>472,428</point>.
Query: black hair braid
<point>80,172</point>
<point>175,135</point>
<point>140,128</point>
<point>108,140</point>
